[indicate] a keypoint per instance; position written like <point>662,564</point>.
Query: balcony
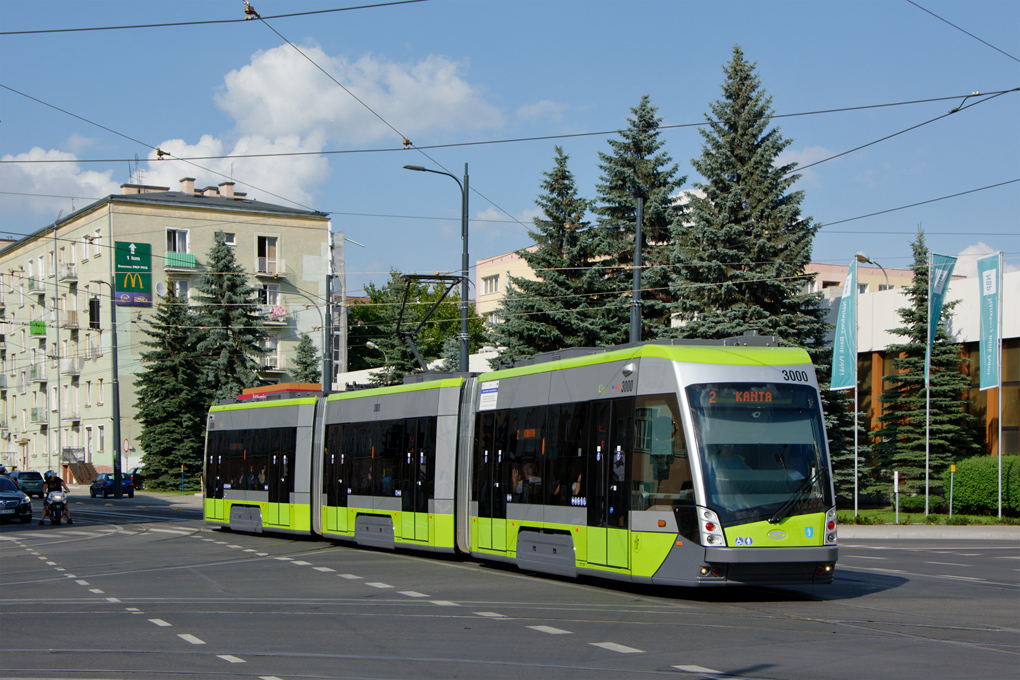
<point>273,364</point>
<point>71,366</point>
<point>37,373</point>
<point>35,286</point>
<point>179,261</point>
<point>3,381</point>
<point>69,319</point>
<point>273,315</point>
<point>69,272</point>
<point>37,415</point>
<point>275,268</point>
<point>70,412</point>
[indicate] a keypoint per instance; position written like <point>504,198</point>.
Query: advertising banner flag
<point>940,271</point>
<point>989,299</point>
<point>844,343</point>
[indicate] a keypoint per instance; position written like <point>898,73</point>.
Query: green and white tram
<point>670,464</point>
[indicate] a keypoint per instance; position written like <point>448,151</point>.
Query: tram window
<point>390,450</point>
<point>661,468</point>
<point>527,457</point>
<point>565,454</point>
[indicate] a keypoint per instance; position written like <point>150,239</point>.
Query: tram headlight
<point>711,529</point>
<point>830,527</point>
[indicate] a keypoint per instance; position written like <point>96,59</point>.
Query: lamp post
<point>465,268</point>
<point>864,259</point>
<point>117,490</point>
<point>372,345</point>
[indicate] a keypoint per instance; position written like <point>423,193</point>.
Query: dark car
<point>14,502</point>
<point>137,478</point>
<point>29,481</point>
<point>103,486</point>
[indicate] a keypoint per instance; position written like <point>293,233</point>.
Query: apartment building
<point>56,371</point>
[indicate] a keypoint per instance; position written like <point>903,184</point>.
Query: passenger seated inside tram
<point>532,486</point>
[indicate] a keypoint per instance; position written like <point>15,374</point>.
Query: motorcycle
<point>56,501</point>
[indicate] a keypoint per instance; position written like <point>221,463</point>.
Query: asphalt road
<point>139,588</point>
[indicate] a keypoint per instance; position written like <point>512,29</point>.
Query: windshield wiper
<point>786,507</point>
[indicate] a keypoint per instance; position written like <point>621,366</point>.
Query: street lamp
<point>864,259</point>
<point>117,490</point>
<point>389,372</point>
<point>465,268</point>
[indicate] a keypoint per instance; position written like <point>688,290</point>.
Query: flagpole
<point>856,388</point>
<point>927,389</point>
<point>998,378</point>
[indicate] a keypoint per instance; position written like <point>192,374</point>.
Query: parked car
<point>103,486</point>
<point>14,502</point>
<point>29,481</point>
<point>137,478</point>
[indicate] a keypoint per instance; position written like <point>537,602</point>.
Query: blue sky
<point>450,72</point>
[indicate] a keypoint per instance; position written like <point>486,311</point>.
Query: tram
<point>663,463</point>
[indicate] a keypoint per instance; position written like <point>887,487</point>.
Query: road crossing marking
<point>82,583</point>
<point>284,559</point>
<point>301,564</point>
<point>550,630</point>
<point>97,591</point>
<point>160,622</point>
<point>229,658</point>
<point>236,547</point>
<point>491,615</point>
<point>444,603</point>
<point>349,576</point>
<point>188,637</point>
<point>613,647</point>
<point>112,599</point>
<point>323,569</point>
<point>412,593</point>
<point>379,585</point>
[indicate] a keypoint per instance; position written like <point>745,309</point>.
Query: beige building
<point>56,371</point>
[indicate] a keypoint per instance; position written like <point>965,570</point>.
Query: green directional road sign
<point>132,273</point>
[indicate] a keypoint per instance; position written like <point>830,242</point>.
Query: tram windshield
<point>762,450</point>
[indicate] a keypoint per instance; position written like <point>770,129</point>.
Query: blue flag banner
<point>844,343</point>
<point>940,271</point>
<point>989,299</point>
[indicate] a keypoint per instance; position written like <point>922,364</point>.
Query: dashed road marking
<point>301,564</point>
<point>412,593</point>
<point>550,630</point>
<point>82,583</point>
<point>97,591</point>
<point>444,603</point>
<point>229,658</point>
<point>284,559</point>
<point>323,569</point>
<point>170,531</point>
<point>491,615</point>
<point>349,576</point>
<point>236,547</point>
<point>949,564</point>
<point>613,647</point>
<point>379,585</point>
<point>697,669</point>
<point>188,637</point>
<point>160,622</point>
<point>112,599</point>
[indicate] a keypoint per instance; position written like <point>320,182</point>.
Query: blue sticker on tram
<point>809,532</point>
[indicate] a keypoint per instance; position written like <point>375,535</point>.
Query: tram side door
<point>609,448</point>
<point>414,481</point>
<point>494,473</point>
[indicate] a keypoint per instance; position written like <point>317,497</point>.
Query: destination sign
<point>132,273</point>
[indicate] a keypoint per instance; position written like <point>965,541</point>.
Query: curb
<point>930,532</point>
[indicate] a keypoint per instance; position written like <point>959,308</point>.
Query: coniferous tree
<point>172,397</point>
<point>307,362</point>
<point>637,164</point>
<point>233,335</point>
<point>901,437</point>
<point>565,305</point>
<point>744,246</point>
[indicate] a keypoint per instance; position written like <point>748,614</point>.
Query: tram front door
<point>492,472</point>
<point>611,424</point>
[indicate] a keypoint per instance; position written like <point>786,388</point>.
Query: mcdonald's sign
<point>132,273</point>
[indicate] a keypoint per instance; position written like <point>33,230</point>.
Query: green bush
<point>916,503</point>
<point>976,484</point>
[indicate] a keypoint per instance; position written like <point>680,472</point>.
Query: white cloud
<point>542,109</point>
<point>281,93</point>
<point>966,260</point>
<point>492,224</point>
<point>805,156</point>
<point>48,188</point>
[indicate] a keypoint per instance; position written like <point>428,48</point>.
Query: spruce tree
<point>743,249</point>
<point>307,362</point>
<point>565,305</point>
<point>637,164</point>
<point>900,442</point>
<point>172,397</point>
<point>234,337</point>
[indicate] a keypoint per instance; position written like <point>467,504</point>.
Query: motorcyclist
<point>54,483</point>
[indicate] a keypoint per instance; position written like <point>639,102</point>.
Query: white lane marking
<point>379,585</point>
<point>412,593</point>
<point>70,576</point>
<point>97,591</point>
<point>349,576</point>
<point>236,547</point>
<point>229,658</point>
<point>59,569</point>
<point>40,557</point>
<point>863,557</point>
<point>284,559</point>
<point>613,647</point>
<point>444,603</point>
<point>261,554</point>
<point>949,564</point>
<point>82,583</point>
<point>112,599</point>
<point>170,531</point>
<point>1007,557</point>
<point>491,615</point>
<point>697,669</point>
<point>249,550</point>
<point>131,609</point>
<point>323,569</point>
<point>268,677</point>
<point>188,637</point>
<point>550,630</point>
<point>300,563</point>
<point>160,622</point>
<point>52,564</point>
<point>209,540</point>
<point>962,578</point>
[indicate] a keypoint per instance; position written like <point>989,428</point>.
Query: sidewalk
<point>931,532</point>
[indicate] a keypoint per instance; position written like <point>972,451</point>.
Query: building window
<point>182,289</point>
<point>101,431</point>
<point>229,238</point>
<point>85,247</point>
<point>884,286</point>
<point>269,294</point>
<point>493,318</point>
<point>176,241</point>
<point>272,358</point>
<point>490,284</point>
<point>99,392</point>
<point>97,242</point>
<point>88,393</point>
<point>862,288</point>
<point>267,254</point>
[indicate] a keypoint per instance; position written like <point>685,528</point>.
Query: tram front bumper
<point>764,566</point>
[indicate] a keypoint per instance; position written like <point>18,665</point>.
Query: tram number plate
<point>795,376</point>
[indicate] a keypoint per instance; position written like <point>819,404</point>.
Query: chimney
<point>210,191</point>
<point>227,189</point>
<point>187,185</point>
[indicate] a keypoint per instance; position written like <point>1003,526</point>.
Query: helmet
<point>49,473</point>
